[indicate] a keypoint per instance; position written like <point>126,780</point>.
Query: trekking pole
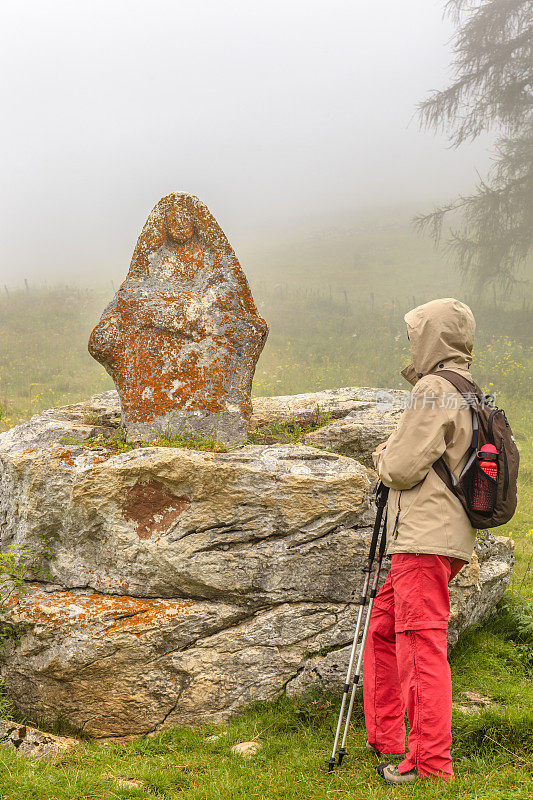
<point>356,677</point>
<point>382,492</point>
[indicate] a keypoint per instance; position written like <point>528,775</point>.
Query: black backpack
<point>488,494</point>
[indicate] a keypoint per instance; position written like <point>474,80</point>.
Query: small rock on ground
<point>125,783</point>
<point>246,749</point>
<point>216,736</point>
<point>473,702</point>
<point>32,743</point>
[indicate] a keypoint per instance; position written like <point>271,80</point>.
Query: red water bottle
<point>485,479</point>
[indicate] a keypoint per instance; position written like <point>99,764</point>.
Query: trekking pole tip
<point>331,764</point>
<point>340,755</point>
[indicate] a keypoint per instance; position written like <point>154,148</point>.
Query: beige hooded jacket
<point>424,516</point>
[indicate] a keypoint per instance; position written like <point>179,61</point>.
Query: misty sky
<point>271,112</point>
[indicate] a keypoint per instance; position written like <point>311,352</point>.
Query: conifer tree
<point>491,230</point>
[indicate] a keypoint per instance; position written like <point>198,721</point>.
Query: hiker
<point>429,539</point>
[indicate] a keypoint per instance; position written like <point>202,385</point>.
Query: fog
<point>276,114</point>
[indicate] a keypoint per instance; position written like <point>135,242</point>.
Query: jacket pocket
<point>409,499</point>
<point>406,500</point>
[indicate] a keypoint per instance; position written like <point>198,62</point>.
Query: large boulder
<point>186,584</point>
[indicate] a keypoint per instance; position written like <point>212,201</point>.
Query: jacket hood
<point>441,332</point>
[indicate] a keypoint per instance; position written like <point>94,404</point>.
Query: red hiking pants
<point>406,666</point>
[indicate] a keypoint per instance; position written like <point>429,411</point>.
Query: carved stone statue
<point>182,336</point>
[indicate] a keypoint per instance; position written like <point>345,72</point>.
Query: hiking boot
<point>389,773</point>
<point>374,749</point>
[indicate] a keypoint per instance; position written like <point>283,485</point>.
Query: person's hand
<point>380,447</point>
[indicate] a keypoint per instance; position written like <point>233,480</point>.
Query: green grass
<point>290,432</point>
<point>117,442</point>
<point>336,319</point>
<point>6,707</point>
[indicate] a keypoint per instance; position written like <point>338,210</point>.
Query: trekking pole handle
<point>382,494</point>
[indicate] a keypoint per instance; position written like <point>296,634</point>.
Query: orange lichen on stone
<point>78,609</point>
<point>182,336</point>
<point>66,456</point>
<point>152,508</point>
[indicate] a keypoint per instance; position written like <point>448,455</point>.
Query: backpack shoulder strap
<point>465,387</point>
<point>443,471</point>
<point>462,384</point>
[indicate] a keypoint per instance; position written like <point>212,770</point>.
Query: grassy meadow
<point>335,303</point>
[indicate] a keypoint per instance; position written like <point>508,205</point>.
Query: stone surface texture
<point>358,433</point>
<point>182,336</point>
<point>188,584</point>
<point>336,403</point>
